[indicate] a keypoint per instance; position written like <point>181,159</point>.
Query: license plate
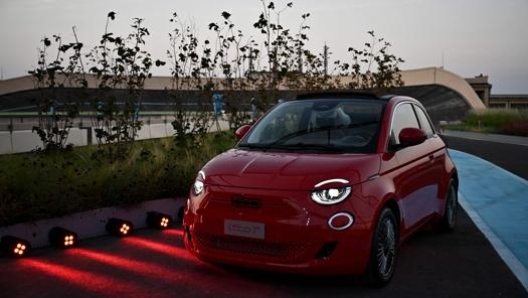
<point>242,228</point>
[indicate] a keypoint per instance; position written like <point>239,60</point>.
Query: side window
<point>403,117</point>
<point>425,125</point>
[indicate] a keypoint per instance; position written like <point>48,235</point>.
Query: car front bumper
<point>285,231</point>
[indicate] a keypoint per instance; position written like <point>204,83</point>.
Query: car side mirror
<point>242,131</point>
<point>411,136</point>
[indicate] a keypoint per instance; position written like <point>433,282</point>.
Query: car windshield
<point>321,125</point>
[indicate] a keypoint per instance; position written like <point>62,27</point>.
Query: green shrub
<point>503,121</point>
<point>496,117</point>
<point>36,186</point>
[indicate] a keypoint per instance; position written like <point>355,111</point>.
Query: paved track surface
<point>153,263</point>
<point>510,153</point>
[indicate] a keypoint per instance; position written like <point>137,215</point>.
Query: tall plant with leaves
<point>192,71</point>
<point>56,115</point>
<point>290,63</point>
<point>234,57</point>
<point>371,68</point>
<point>121,65</point>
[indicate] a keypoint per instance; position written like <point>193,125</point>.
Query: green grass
<point>37,186</point>
<point>500,121</point>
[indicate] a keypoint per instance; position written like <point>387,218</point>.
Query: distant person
<point>254,109</point>
<point>218,104</point>
<point>136,112</point>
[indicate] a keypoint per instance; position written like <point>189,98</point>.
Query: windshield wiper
<point>254,146</point>
<point>296,146</point>
<point>311,146</point>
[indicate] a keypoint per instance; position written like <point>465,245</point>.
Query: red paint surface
<point>275,185</point>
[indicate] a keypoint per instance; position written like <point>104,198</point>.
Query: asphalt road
<point>512,157</point>
<point>154,263</point>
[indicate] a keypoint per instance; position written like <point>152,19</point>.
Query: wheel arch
<point>395,208</point>
<point>454,176</point>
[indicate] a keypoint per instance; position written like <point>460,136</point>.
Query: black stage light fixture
<point>119,227</point>
<point>60,237</point>
<point>14,246</point>
<point>158,220</point>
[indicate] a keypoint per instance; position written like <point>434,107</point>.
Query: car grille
<point>252,247</point>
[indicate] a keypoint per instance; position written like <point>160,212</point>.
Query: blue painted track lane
<point>497,202</point>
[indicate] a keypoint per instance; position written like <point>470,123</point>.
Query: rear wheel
<point>383,251</point>
<point>449,219</point>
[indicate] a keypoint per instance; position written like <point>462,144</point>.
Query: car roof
<point>395,99</point>
<point>338,95</point>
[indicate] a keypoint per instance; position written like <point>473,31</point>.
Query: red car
<point>329,183</point>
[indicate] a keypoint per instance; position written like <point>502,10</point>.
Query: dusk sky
<point>466,37</point>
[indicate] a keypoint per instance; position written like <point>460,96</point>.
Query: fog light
<point>341,221</point>
<point>326,250</point>
<point>62,238</point>
<point>14,247</point>
<point>119,227</point>
<point>158,220</point>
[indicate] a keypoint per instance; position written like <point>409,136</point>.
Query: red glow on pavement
<point>174,232</point>
<point>171,250</point>
<point>137,267</point>
<point>99,283</point>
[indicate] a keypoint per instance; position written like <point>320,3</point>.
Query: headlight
<point>333,194</point>
<point>198,185</point>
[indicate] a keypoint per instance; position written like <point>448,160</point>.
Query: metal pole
<point>11,133</point>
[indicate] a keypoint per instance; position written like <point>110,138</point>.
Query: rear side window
<point>403,117</point>
<point>425,125</point>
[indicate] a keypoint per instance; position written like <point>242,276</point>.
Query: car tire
<point>383,251</point>
<point>449,219</point>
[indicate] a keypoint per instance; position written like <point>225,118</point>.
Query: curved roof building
<point>445,95</point>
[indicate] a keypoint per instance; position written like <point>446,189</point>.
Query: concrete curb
<point>91,223</point>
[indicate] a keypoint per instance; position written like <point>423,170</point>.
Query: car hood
<point>288,171</point>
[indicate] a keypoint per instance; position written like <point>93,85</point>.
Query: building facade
<point>496,101</point>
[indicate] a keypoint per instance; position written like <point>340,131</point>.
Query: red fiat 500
<point>329,183</point>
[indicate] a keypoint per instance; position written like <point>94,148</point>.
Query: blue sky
<point>467,37</point>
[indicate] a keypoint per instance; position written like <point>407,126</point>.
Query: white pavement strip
<point>504,252</point>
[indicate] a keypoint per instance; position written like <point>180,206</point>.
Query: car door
<point>415,178</point>
<point>437,156</point>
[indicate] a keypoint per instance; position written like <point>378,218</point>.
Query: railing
<point>16,130</point>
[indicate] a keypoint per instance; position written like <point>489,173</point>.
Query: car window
<point>282,121</point>
<point>327,125</point>
<point>403,117</point>
<point>425,125</point>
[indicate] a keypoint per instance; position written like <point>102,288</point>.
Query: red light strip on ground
<point>169,250</point>
<point>137,267</point>
<point>173,232</point>
<point>93,282</point>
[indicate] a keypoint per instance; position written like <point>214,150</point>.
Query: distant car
<point>328,183</point>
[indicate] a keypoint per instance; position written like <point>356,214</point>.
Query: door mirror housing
<point>242,131</point>
<point>411,136</point>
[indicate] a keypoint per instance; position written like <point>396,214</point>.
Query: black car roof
<point>340,95</point>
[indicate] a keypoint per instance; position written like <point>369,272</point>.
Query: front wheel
<point>383,251</point>
<point>448,221</point>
